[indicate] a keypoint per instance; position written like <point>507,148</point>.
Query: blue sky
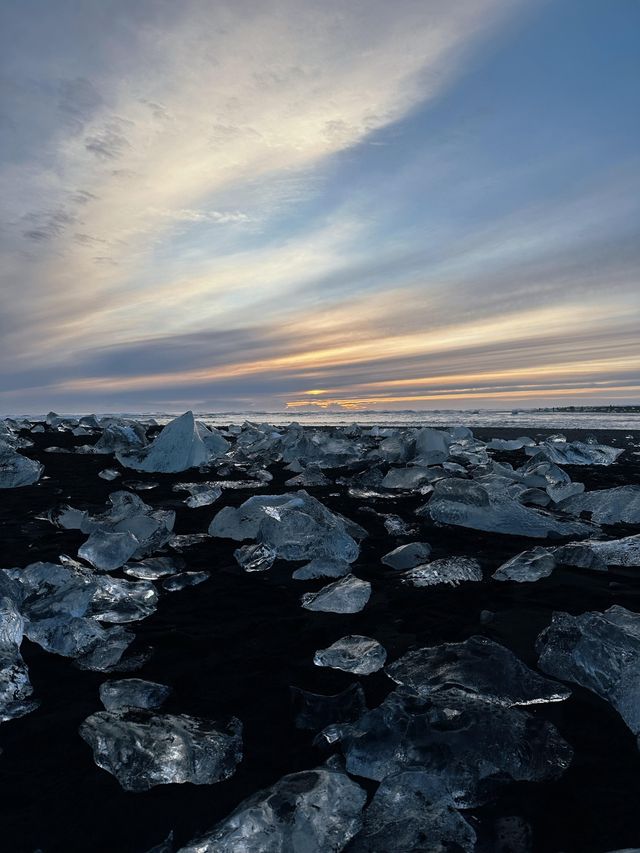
<point>289,204</point>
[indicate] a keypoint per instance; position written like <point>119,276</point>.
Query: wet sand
<point>235,645</point>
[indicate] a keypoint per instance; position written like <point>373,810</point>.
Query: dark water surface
<point>236,643</point>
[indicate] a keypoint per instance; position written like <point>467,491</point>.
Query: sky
<point>292,204</point>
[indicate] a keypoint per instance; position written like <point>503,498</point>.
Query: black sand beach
<point>235,644</point>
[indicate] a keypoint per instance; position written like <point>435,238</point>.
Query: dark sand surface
<point>236,643</point>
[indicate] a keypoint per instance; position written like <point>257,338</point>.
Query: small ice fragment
<point>107,551</point>
<point>186,579</point>
<point>348,595</point>
<point>527,566</point>
<point>355,653</point>
<point>407,556</point>
<point>133,693</point>
<point>450,570</point>
<point>109,474</point>
<point>255,558</point>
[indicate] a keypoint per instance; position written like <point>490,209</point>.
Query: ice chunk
<point>118,600</point>
<point>244,522</point>
<point>17,470</point>
<point>478,667</point>
<point>255,558</point>
<point>133,693</point>
<point>527,566</point>
<point>311,476</point>
<point>314,811</point>
<point>347,595</point>
<point>407,556</point>
<point>15,687</point>
<point>467,743</point>
<point>109,474</point>
<point>579,555</point>
<point>202,494</point>
<point>610,552</point>
<point>465,503</point>
<point>450,570</point>
<point>142,749</point>
<point>92,646</point>
<point>575,453</point>
<point>396,526</point>
<point>432,445</point>
<point>108,550</point>
<point>322,567</point>
<point>607,506</point>
<point>181,445</point>
<point>510,443</point>
<point>187,540</point>
<point>412,811</point>
<point>186,579</point>
<point>355,653</point>
<point>315,712</point>
<point>121,435</point>
<point>152,568</point>
<point>407,478</point>
<point>599,651</point>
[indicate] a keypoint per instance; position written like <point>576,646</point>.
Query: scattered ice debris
<point>413,811</point>
<point>449,570</point>
<point>620,505</point>
<point>407,556</point>
<point>142,749</point>
<point>152,568</point>
<point>466,503</point>
<point>478,668</point>
<point>355,653</point>
<point>17,470</point>
<point>470,745</point>
<point>255,558</point>
<point>322,567</point>
<point>15,687</point>
<point>347,595</point>
<point>186,579</point>
<point>183,443</point>
<point>528,566</point>
<point>599,651</point>
<point>133,693</point>
<point>202,494</point>
<point>314,712</point>
<point>109,474</point>
<point>318,811</point>
<point>575,453</point>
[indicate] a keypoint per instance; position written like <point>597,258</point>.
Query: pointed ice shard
<point>181,445</point>
<point>142,749</point>
<point>356,654</point>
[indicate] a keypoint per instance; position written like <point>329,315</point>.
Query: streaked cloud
<point>290,204</point>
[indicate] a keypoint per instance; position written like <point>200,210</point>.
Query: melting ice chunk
<point>255,558</point>
<point>407,556</point>
<point>355,653</point>
<point>202,494</point>
<point>108,550</point>
<point>318,811</point>
<point>477,667</point>
<point>348,595</point>
<point>449,570</point>
<point>527,566</point>
<point>142,749</point>
<point>607,506</point>
<point>315,712</point>
<point>133,693</point>
<point>17,470</point>
<point>599,651</point>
